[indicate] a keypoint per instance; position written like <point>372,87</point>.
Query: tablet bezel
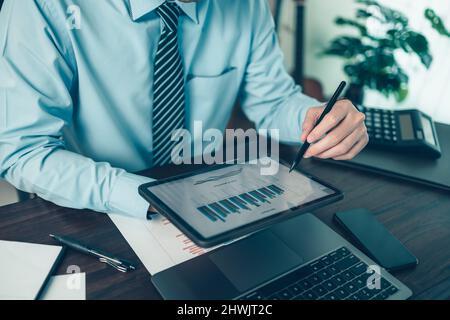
<point>238,232</point>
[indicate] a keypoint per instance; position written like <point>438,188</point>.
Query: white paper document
<point>65,287</point>
<point>157,243</point>
<point>24,268</point>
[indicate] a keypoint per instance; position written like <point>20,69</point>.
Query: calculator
<point>402,130</point>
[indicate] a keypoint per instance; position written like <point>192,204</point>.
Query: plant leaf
<point>345,46</point>
<point>436,22</point>
<point>419,44</point>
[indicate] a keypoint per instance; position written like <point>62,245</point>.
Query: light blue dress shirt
<point>76,90</point>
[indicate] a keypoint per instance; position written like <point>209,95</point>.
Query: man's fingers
<point>355,150</point>
<point>341,135</point>
<point>311,118</point>
<point>345,146</point>
<point>331,120</point>
<point>350,124</point>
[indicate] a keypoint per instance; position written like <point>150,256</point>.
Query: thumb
<point>311,118</point>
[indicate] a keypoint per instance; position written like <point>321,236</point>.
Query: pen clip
<point>113,264</point>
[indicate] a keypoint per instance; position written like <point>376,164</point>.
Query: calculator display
<point>406,127</point>
<point>427,129</point>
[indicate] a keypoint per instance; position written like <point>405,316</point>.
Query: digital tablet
<point>225,202</point>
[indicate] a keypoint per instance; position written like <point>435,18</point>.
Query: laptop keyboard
<point>339,275</point>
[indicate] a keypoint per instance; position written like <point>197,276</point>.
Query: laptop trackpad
<point>254,260</point>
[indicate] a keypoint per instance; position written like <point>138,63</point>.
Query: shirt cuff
<point>293,117</point>
<point>125,198</point>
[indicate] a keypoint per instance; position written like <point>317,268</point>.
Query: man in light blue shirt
<point>76,92</point>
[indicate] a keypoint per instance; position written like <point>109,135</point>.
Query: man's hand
<point>152,210</point>
<point>341,135</point>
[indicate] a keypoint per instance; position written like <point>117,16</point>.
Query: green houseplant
<point>370,58</point>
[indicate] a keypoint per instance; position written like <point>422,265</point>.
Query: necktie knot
<point>169,13</point>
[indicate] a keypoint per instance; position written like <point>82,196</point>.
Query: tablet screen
<point>221,200</point>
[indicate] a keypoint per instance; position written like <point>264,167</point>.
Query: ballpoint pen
<point>327,110</point>
<point>118,264</point>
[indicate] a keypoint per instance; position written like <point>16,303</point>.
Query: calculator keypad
<point>381,125</point>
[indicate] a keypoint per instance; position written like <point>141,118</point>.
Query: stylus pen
<point>327,110</point>
<point>118,264</point>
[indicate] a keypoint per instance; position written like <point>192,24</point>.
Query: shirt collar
<point>139,8</point>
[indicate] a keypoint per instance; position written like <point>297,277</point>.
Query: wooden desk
<point>419,216</point>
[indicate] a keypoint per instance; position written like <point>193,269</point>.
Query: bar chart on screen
<point>242,203</point>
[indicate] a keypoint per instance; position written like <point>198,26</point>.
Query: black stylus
<point>119,264</point>
<point>327,110</point>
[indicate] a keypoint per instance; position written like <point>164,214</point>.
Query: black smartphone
<point>375,240</point>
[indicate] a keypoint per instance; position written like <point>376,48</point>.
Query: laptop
<point>297,259</point>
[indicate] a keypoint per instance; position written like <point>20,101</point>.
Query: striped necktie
<point>168,86</point>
